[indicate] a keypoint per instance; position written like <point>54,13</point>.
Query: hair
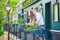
<point>36,9</point>
<point>31,12</point>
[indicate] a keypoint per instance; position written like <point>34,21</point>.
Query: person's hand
<point>26,24</point>
<point>24,29</point>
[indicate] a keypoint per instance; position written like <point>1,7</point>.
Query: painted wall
<point>55,25</point>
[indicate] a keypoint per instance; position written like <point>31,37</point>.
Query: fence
<point>18,34</point>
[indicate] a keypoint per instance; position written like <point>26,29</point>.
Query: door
<point>48,20</point>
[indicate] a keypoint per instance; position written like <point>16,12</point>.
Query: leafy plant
<point>1,30</point>
<point>35,26</point>
<point>1,24</point>
<point>28,29</point>
<point>20,21</point>
<point>3,12</point>
<point>10,22</point>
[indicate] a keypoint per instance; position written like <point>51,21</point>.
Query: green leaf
<point>20,21</point>
<point>1,31</point>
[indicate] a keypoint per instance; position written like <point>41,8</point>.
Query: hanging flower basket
<point>28,29</point>
<point>35,26</point>
<point>32,28</point>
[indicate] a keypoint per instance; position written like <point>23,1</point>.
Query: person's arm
<point>30,23</point>
<point>33,21</point>
<point>27,24</point>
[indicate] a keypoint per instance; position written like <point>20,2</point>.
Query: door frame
<point>48,37</point>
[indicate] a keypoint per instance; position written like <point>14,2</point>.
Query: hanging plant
<point>28,29</point>
<point>35,26</point>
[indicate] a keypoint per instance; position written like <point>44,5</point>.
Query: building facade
<point>50,9</point>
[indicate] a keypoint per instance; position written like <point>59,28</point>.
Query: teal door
<point>48,20</point>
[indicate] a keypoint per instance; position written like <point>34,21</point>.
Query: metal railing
<point>19,33</point>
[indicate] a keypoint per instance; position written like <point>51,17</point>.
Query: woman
<point>32,19</point>
<point>36,17</point>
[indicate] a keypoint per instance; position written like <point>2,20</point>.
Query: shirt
<point>39,19</point>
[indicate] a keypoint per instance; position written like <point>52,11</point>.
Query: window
<point>56,12</point>
<point>41,11</point>
<point>37,9</point>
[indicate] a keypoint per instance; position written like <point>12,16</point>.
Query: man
<point>40,22</point>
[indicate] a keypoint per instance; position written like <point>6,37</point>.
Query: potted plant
<point>32,28</point>
<point>35,26</point>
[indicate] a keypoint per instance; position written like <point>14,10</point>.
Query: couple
<point>36,17</point>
